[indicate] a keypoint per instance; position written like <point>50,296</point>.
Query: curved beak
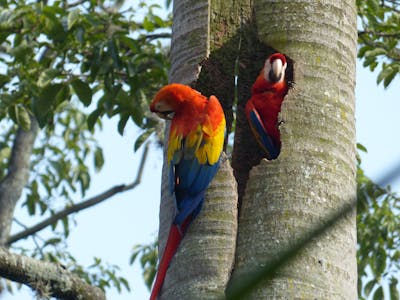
<point>276,70</point>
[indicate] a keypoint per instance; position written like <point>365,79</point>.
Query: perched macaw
<point>263,107</point>
<point>195,145</point>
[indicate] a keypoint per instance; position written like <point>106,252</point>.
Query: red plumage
<point>174,239</point>
<point>263,108</point>
<point>194,147</point>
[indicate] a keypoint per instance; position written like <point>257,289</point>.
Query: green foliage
<point>148,260</point>
<point>379,37</point>
<point>85,50</point>
<point>378,237</point>
<point>68,64</point>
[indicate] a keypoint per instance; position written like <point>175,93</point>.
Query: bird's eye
<point>167,115</point>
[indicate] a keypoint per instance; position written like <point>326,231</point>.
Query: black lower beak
<point>274,77</point>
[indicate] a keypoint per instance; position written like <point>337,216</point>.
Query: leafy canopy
<point>66,64</point>
<point>379,36</point>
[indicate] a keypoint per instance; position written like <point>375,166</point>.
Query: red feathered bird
<point>263,107</point>
<point>195,145</point>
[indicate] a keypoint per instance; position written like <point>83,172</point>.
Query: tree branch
<point>393,54</point>
<point>48,279</point>
<point>17,176</point>
<point>164,35</point>
<point>83,205</point>
<point>379,34</point>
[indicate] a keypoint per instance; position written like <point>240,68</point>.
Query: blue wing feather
<point>192,179</point>
<point>262,135</point>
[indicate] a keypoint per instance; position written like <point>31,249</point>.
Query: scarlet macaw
<point>195,144</point>
<point>263,107</point>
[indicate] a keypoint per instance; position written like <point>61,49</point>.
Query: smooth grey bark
<point>315,172</point>
<point>16,178</point>
<point>201,267</point>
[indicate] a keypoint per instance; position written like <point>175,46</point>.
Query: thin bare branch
<point>47,279</point>
<point>164,35</point>
<point>74,4</point>
<point>380,34</point>
<point>83,205</point>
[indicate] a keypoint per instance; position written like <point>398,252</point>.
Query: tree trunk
<point>315,172</point>
<point>17,177</point>
<point>202,265</point>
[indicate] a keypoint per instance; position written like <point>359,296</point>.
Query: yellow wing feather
<point>205,141</point>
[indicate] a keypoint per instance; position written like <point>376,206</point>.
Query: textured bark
<point>17,177</point>
<point>202,265</point>
<point>48,279</point>
<point>315,173</point>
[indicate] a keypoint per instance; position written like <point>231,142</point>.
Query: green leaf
<point>47,76</point>
<point>125,283</point>
<point>361,148</point>
<point>3,80</point>
<point>362,51</point>
<point>113,50</point>
<point>80,34</point>
<point>389,77</point>
<point>383,73</point>
<point>5,153</point>
<point>394,292</point>
<point>84,180</point>
<point>369,286</point>
<point>373,4</point>
<point>52,241</point>
<point>22,52</point>
<point>73,18</point>
<point>98,159</point>
<point>23,118</point>
<point>94,115</point>
<point>83,91</point>
<point>46,102</point>
<point>375,52</point>
<point>122,123</point>
<point>53,26</point>
<point>65,223</point>
<point>12,112</point>
<point>30,203</point>
<point>142,138</point>
<point>137,112</point>
<point>378,295</point>
<point>148,25</point>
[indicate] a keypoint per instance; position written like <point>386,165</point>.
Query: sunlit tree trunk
<point>315,172</point>
<point>202,265</point>
<point>16,177</point>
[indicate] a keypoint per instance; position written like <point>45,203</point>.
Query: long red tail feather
<point>174,238</point>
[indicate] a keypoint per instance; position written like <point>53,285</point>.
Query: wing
<point>260,133</point>
<point>196,162</point>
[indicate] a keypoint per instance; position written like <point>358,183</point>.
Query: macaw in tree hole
<point>262,109</point>
<point>195,145</point>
